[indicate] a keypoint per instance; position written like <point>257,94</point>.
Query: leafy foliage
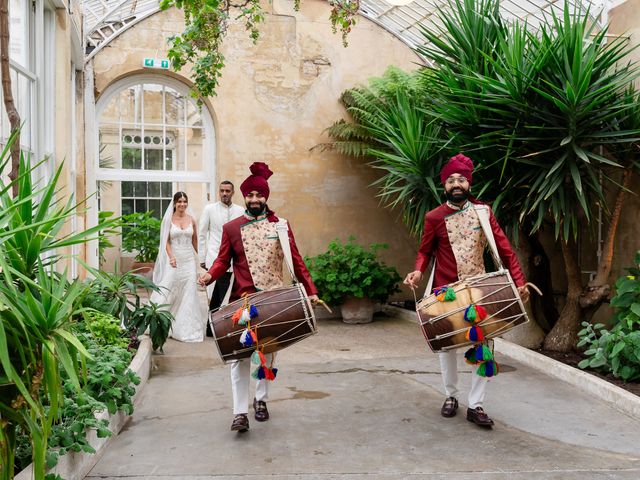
<point>36,311</point>
<point>617,350</point>
<point>109,385</point>
<point>104,328</point>
<point>155,318</point>
<point>206,24</point>
<point>141,234</point>
<point>115,293</point>
<point>351,270</point>
<point>404,142</point>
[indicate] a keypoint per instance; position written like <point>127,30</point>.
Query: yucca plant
<point>36,310</point>
<point>35,341</point>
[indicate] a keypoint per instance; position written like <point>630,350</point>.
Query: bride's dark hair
<point>177,196</point>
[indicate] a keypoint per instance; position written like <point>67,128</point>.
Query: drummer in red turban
<point>454,239</point>
<point>251,243</point>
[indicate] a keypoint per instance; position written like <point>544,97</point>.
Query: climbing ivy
<point>206,26</point>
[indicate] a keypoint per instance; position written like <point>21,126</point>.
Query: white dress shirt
<point>214,216</point>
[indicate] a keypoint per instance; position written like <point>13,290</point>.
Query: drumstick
<point>529,284</point>
<point>322,302</point>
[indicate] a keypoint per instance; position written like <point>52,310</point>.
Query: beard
<point>458,197</point>
<point>255,211</point>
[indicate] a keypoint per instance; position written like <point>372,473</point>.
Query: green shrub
<point>105,328</point>
<point>141,235</point>
<point>351,270</point>
<point>617,350</point>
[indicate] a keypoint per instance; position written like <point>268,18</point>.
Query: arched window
<point>152,140</point>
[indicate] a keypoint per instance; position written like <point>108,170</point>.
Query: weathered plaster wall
<point>273,104</point>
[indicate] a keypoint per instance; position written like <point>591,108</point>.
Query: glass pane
<point>154,159</point>
<point>152,103</point>
<point>194,149</point>
<point>168,162</point>
<point>194,118</point>
<point>165,205</point>
<point>131,158</point>
<point>109,145</point>
<point>127,189</point>
<point>128,106</point>
<point>154,189</point>
<point>140,189</point>
<point>19,32</point>
<point>141,205</point>
<point>155,206</point>
<point>174,107</point>
<point>127,206</point>
<point>167,190</point>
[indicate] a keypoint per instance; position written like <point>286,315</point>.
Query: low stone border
<point>76,466</point>
<point>622,400</point>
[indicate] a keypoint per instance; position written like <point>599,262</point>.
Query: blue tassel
<point>246,339</point>
<point>253,311</point>
<point>275,372</point>
<point>260,373</point>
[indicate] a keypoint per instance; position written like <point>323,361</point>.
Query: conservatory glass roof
<point>106,19</point>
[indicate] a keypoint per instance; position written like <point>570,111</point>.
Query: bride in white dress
<point>175,272</point>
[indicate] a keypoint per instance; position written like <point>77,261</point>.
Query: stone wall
<point>274,102</point>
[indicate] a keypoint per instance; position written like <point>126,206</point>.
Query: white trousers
<point>449,368</point>
<point>240,379</point>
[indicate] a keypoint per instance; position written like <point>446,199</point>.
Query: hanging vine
<point>206,26</point>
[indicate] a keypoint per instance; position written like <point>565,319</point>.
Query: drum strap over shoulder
<point>283,234</point>
<point>483,216</point>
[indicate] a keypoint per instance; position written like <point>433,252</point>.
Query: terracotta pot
<point>144,269</point>
<point>357,310</point>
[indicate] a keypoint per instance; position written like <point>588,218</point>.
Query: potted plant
<point>141,235</point>
<point>351,275</point>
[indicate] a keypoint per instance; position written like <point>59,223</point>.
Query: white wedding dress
<point>178,289</point>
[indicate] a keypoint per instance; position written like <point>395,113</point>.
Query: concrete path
<point>362,402</point>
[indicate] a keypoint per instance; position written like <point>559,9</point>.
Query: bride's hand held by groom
<point>204,279</point>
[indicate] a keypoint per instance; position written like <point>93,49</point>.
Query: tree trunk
<point>598,289</point>
<point>562,337</point>
<point>7,92</point>
<point>539,273</point>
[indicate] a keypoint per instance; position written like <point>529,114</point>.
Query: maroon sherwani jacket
<point>232,248</point>
<point>465,257</point>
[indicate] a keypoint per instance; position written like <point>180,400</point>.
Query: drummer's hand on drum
<point>524,293</point>
<point>204,279</point>
<point>412,279</point>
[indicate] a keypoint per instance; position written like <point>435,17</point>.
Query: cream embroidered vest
<point>264,253</point>
<point>467,241</point>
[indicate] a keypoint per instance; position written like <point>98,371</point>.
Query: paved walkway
<point>362,402</point>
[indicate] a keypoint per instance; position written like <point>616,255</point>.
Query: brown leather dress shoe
<point>262,414</point>
<point>449,408</point>
<point>240,423</point>
<point>477,416</point>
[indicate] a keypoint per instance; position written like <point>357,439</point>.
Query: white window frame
<point>94,173</point>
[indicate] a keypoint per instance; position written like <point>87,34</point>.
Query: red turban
<point>257,181</point>
<point>458,164</point>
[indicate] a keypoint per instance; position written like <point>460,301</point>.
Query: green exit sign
<point>161,63</point>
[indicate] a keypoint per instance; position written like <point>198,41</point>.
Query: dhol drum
<point>494,294</point>
<point>284,317</point>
